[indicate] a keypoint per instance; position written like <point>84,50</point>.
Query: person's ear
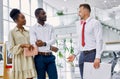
<point>37,17</point>
<point>15,20</point>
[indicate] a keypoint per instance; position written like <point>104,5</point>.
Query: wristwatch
<point>45,44</point>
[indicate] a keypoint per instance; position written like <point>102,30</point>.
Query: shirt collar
<point>17,29</point>
<point>41,25</point>
<point>88,19</point>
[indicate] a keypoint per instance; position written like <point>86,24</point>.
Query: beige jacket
<point>23,67</point>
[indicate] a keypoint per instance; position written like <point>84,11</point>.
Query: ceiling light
<point>65,0</point>
<point>105,1</point>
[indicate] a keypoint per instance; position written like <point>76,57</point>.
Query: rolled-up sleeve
<point>76,49</point>
<point>13,48</point>
<point>77,45</point>
<point>33,36</point>
<point>53,38</point>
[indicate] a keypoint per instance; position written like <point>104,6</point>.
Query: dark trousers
<point>89,57</point>
<point>45,64</point>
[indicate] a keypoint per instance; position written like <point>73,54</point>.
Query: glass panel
<point>5,12</point>
<point>14,3</point>
<point>33,21</point>
<point>53,21</point>
<point>25,6</point>
<point>49,11</point>
<point>10,19</point>
<point>34,5</point>
<point>54,12</point>
<point>27,20</point>
<point>6,30</point>
<point>5,2</point>
<point>12,25</point>
<point>44,6</point>
<point>62,20</point>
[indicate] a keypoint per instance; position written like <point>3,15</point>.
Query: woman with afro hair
<point>22,66</point>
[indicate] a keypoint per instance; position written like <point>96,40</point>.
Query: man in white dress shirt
<point>42,35</point>
<point>90,40</point>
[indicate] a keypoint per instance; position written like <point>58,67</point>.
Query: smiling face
<point>81,12</point>
<point>84,10</point>
<point>41,16</point>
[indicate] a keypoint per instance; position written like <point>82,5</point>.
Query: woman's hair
<point>14,14</point>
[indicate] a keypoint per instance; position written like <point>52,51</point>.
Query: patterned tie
<point>83,35</point>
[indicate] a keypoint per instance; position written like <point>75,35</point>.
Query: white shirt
<point>44,33</point>
<point>93,36</point>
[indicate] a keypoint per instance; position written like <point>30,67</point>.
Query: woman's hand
<point>30,47</point>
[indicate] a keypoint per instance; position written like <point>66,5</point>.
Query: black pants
<point>45,64</point>
<point>90,57</point>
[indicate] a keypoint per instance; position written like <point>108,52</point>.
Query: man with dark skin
<point>42,35</point>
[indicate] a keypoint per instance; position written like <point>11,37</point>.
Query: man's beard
<point>81,18</point>
<point>41,19</point>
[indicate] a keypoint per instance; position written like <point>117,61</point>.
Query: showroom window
<point>27,7</point>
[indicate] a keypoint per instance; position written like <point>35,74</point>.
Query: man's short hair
<point>87,6</point>
<point>37,11</point>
